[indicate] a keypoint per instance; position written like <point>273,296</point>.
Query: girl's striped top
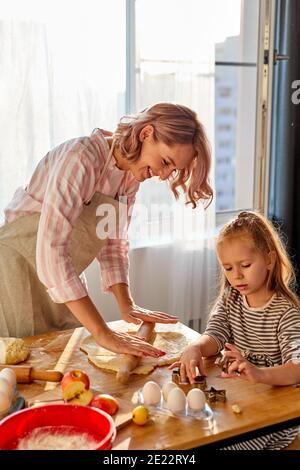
<point>272,330</point>
<point>268,332</point>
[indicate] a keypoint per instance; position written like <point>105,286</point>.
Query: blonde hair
<point>172,124</point>
<point>266,239</point>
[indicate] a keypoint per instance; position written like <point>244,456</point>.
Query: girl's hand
<point>241,366</point>
<point>190,360</point>
<point>123,343</point>
<point>136,314</point>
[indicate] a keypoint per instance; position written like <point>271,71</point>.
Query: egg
<point>4,402</point>
<point>9,375</point>
<point>5,387</point>
<point>196,399</point>
<point>176,400</point>
<point>167,387</point>
<point>151,393</point>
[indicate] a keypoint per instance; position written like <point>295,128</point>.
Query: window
<point>224,144</point>
<point>225,111</point>
<point>59,79</point>
<point>224,92</point>
<point>176,67</point>
<point>223,127</point>
<point>210,66</point>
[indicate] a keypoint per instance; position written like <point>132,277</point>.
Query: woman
<point>50,233</point>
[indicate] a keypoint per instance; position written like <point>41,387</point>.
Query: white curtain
<point>62,73</point>
<point>178,67</point>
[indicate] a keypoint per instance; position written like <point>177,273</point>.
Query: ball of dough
<point>13,350</point>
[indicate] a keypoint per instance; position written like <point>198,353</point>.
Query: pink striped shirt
<point>65,178</point>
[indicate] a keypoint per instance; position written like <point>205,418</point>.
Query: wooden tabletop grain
<point>261,405</point>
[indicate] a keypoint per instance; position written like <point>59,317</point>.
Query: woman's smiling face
<point>158,158</point>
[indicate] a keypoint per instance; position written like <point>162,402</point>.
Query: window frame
<point>265,63</point>
<point>265,57</point>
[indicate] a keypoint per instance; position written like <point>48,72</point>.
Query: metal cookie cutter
<point>213,395</point>
<point>223,362</point>
<point>187,386</point>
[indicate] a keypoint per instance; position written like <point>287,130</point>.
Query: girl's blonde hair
<point>265,238</point>
<point>172,124</point>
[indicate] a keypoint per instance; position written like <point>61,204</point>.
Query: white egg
<point>196,399</point>
<point>151,393</point>
<point>4,402</point>
<point>5,387</point>
<point>176,400</point>
<point>9,375</point>
<point>167,387</point>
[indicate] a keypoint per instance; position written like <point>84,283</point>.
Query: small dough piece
<point>13,350</point>
<point>236,408</point>
<point>172,343</point>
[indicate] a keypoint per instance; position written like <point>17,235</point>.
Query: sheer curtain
<point>62,66</point>
<point>63,73</point>
<point>177,66</point>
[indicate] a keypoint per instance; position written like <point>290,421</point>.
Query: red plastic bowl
<point>98,424</point>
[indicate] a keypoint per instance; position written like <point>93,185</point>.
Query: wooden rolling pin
<point>26,374</point>
<point>129,362</point>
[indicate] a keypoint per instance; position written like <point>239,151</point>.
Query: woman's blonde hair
<point>266,239</point>
<point>172,124</point>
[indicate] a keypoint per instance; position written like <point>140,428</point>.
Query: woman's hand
<point>190,360</point>
<point>123,343</point>
<point>135,314</point>
<point>240,366</point>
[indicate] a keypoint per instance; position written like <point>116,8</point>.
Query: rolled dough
<point>172,343</point>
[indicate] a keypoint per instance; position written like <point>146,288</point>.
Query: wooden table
<point>261,405</point>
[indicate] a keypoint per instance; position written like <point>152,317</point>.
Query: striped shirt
<point>66,178</point>
<point>271,331</point>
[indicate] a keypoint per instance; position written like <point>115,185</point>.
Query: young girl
<point>50,233</point>
<point>256,317</point>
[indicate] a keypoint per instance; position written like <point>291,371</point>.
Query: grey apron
<point>25,307</point>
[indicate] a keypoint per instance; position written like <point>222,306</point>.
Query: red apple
<point>106,403</point>
<point>75,386</point>
<point>82,398</point>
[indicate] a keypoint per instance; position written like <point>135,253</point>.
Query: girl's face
<point>245,267</point>
<point>159,159</point>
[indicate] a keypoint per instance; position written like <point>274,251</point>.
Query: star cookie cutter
<point>223,362</point>
<point>213,395</point>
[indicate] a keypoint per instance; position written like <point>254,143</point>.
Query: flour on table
<point>172,343</point>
